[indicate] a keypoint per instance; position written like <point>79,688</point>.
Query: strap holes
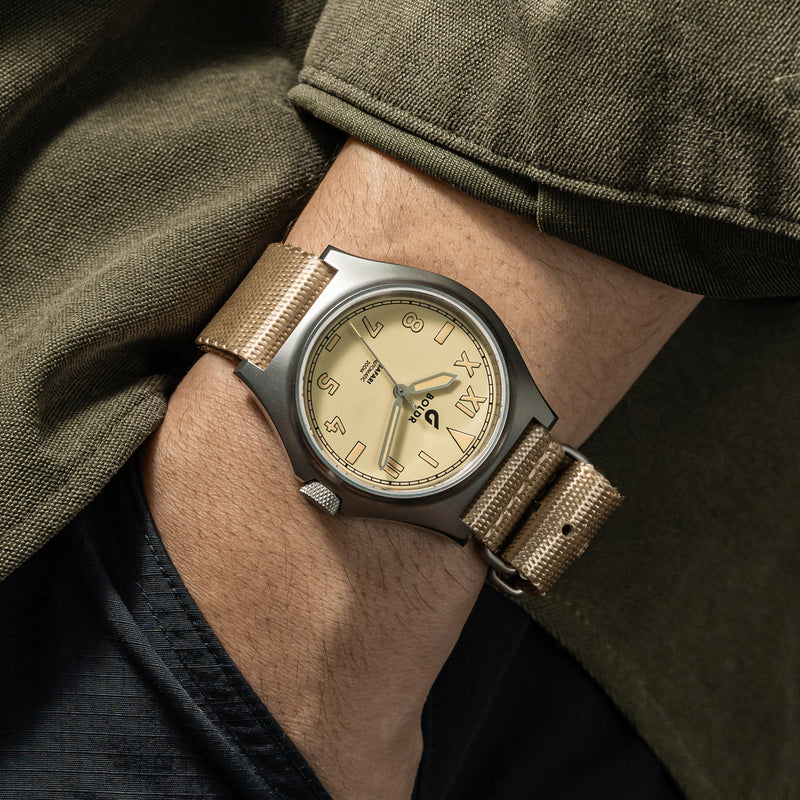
<point>566,530</point>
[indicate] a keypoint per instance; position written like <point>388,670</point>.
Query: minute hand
<point>391,430</point>
<point>438,381</point>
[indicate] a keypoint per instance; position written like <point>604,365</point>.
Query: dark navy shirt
<point>112,685</point>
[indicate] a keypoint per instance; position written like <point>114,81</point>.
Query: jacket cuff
<point>690,252</point>
<point>609,127</point>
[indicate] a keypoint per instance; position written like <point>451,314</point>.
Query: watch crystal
<point>403,392</point>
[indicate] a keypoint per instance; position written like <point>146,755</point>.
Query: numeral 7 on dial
<point>372,330</point>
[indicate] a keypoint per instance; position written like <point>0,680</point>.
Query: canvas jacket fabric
<point>149,153</point>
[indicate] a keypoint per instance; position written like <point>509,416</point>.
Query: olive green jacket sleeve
<point>148,156</point>
<point>663,136</point>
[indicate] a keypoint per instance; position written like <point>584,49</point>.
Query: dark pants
<point>113,685</point>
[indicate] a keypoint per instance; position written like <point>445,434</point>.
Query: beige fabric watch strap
<point>539,511</point>
<point>267,305</point>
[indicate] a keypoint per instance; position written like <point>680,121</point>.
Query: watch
<point>399,394</point>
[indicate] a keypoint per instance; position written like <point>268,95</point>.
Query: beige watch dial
<point>403,392</point>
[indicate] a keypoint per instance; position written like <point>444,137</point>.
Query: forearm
<point>341,625</point>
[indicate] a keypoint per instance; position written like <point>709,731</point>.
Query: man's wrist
<point>342,625</point>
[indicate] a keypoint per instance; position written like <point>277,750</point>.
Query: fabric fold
<point>665,139</point>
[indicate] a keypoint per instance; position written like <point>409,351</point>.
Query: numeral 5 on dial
<point>327,384</point>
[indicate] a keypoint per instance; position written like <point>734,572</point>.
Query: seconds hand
<point>364,342</point>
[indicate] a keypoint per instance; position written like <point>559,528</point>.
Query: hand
<point>391,430</point>
<point>439,381</point>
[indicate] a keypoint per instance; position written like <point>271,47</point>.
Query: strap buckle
<point>575,455</point>
<point>502,575</point>
<point>499,571</point>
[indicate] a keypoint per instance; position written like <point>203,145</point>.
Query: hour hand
<point>438,381</point>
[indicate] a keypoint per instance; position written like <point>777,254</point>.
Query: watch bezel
<point>275,389</point>
<point>443,298</point>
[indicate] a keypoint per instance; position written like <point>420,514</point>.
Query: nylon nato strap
<point>538,511</point>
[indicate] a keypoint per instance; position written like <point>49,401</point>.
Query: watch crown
<point>319,495</point>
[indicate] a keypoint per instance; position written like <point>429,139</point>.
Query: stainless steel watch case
<point>275,390</point>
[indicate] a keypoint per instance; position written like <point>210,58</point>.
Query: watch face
<point>403,391</point>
